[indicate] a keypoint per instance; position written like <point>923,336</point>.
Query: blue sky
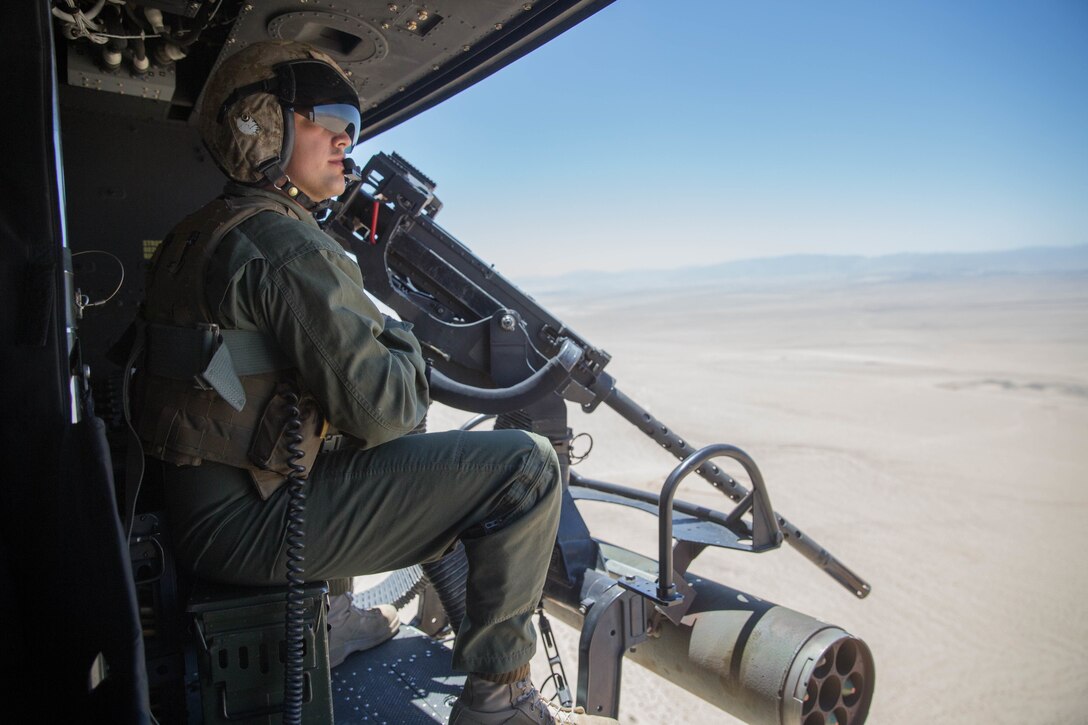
<point>662,134</point>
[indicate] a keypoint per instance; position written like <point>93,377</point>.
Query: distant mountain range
<point>831,268</point>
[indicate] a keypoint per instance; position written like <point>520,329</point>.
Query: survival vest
<point>202,393</point>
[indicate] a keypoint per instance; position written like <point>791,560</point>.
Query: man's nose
<point>341,140</point>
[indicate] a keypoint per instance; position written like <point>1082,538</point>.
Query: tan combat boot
<point>489,703</point>
<point>353,630</point>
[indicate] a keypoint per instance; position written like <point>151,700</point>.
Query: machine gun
<point>496,352</point>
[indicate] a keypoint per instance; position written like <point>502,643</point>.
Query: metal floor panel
<point>406,681</point>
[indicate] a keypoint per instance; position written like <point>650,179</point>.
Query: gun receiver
<point>480,328</point>
<point>486,333</point>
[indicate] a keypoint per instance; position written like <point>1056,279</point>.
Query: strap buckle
<point>211,343</point>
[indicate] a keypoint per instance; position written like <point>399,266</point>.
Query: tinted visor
<point>337,117</point>
<point>317,91</point>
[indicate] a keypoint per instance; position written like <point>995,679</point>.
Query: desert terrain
<point>931,433</point>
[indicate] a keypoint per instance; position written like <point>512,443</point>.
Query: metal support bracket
<point>617,618</point>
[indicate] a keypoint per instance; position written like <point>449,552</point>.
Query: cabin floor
<point>406,681</point>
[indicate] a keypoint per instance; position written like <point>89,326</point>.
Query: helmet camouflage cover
<point>255,128</point>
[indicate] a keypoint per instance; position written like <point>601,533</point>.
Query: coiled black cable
<point>293,683</point>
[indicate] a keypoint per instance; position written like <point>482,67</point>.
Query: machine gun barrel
<point>671,441</point>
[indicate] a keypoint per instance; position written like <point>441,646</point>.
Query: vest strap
<point>212,358</point>
<point>254,352</point>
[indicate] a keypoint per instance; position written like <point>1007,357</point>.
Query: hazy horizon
<point>814,265</point>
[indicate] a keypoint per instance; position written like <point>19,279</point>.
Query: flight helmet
<point>247,113</point>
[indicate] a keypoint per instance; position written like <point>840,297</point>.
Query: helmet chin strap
<point>277,178</point>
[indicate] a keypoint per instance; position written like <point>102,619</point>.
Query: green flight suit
<point>389,500</point>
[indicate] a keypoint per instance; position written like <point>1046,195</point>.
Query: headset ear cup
<point>256,140</point>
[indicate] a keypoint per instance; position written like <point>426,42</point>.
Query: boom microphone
<point>351,169</point>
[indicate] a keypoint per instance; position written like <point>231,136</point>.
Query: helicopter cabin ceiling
<point>403,57</point>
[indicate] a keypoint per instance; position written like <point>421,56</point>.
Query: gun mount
<point>496,351</point>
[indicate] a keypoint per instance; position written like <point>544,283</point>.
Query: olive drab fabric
<point>389,507</point>
<point>185,423</point>
<point>277,273</point>
<point>179,270</point>
<point>386,500</point>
